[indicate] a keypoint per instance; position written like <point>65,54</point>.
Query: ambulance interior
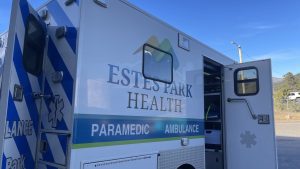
<point>213,114</point>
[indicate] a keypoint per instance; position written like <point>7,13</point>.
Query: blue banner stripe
<point>24,81</point>
<point>24,6</point>
<point>21,141</point>
<point>63,20</point>
<point>106,128</point>
<point>59,65</point>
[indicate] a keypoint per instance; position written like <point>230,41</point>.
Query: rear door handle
<point>230,100</point>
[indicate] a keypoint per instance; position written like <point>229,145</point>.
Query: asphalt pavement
<point>288,145</point>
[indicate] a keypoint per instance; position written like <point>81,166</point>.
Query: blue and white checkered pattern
<point>20,147</point>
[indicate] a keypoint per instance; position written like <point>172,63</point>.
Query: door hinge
<point>18,93</point>
<point>102,3</point>
<point>61,32</point>
<point>69,2</point>
<point>57,76</point>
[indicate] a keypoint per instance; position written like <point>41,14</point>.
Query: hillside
<point>282,88</point>
<point>277,80</point>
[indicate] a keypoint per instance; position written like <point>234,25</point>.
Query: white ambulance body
<point>3,42</point>
<point>102,85</point>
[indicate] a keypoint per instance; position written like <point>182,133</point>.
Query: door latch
<point>38,95</point>
<point>102,3</point>
<point>263,119</point>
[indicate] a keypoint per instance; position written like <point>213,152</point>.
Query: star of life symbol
<point>56,115</point>
<point>248,139</point>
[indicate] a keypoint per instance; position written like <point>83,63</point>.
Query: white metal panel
<point>206,50</point>
<point>119,42</point>
<point>21,115</point>
<point>118,151</point>
<point>114,41</point>
<point>3,44</point>
<point>250,144</point>
<point>142,161</point>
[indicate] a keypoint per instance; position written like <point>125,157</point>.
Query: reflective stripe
<point>24,81</point>
<point>24,7</point>
<point>63,20</point>
<point>21,141</point>
<point>59,65</point>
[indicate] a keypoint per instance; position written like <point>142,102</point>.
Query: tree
<point>290,83</point>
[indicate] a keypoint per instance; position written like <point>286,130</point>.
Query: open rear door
<point>249,118</point>
<point>22,77</point>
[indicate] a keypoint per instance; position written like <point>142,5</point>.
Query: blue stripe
<point>3,161</point>
<point>21,141</point>
<point>63,20</point>
<point>71,38</point>
<point>149,128</point>
<point>25,12</point>
<point>63,141</point>
<point>24,6</point>
<point>59,65</point>
<point>59,15</point>
<point>24,81</point>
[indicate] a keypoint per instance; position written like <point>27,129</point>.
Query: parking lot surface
<point>288,145</point>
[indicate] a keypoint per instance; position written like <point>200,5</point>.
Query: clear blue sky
<point>264,28</point>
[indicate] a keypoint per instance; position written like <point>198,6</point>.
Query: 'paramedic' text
<point>119,129</point>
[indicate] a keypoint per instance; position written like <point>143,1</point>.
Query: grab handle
<point>230,100</point>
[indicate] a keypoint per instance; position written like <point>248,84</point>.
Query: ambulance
<point>101,84</point>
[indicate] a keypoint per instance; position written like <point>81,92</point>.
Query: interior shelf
<point>212,94</point>
<point>213,115</point>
